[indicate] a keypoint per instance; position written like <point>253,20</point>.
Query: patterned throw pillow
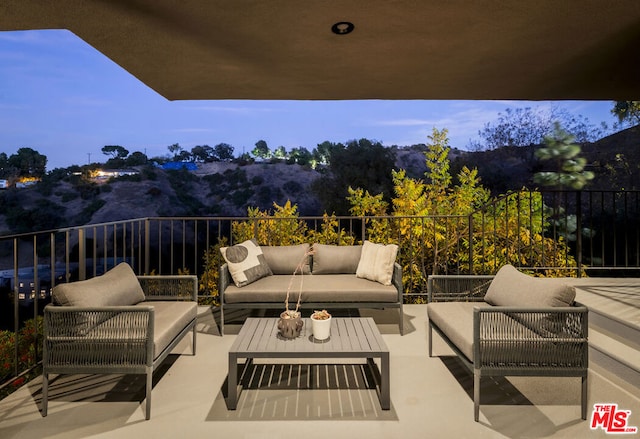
<point>246,262</point>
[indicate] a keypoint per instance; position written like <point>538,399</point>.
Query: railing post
<point>147,245</point>
<point>471,243</point>
<point>82,255</point>
<point>579,232</point>
<point>16,311</point>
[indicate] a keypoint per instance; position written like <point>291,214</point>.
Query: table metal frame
<point>351,338</point>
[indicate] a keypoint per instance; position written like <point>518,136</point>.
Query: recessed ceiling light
<point>342,28</point>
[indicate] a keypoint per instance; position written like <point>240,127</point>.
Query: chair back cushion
<point>117,287</point>
<point>510,287</point>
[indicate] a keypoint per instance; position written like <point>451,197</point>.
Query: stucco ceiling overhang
<point>402,49</point>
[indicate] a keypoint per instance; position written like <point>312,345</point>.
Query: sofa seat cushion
<point>316,288</point>
<point>455,319</point>
<point>171,317</point>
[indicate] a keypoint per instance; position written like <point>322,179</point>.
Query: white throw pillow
<point>377,261</point>
<point>246,262</point>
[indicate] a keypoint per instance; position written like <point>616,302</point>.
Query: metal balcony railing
<point>573,233</point>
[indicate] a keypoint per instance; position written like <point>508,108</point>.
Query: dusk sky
<point>66,100</point>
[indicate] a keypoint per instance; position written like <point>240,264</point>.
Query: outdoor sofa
<point>331,277</point>
<point>117,323</point>
<point>512,324</point>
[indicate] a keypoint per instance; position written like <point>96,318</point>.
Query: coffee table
<point>351,338</point>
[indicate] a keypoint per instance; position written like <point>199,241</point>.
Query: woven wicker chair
<point>510,340</point>
<point>120,339</point>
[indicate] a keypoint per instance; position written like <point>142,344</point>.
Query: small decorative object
<point>321,324</point>
<point>290,323</point>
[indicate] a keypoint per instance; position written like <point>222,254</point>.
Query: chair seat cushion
<point>455,320</point>
<point>171,317</point>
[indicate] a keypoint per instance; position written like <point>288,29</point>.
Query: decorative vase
<point>290,326</point>
<point>321,328</point>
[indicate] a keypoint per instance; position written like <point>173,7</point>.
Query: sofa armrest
<point>98,337</point>
<point>525,338</point>
<point>458,288</point>
<point>224,279</point>
<point>396,280</point>
<point>170,287</point>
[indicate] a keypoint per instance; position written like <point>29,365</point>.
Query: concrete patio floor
<point>431,398</point>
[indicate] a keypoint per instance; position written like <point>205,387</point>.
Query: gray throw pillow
<point>283,259</point>
<point>335,259</point>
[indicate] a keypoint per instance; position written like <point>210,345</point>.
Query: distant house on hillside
<point>24,182</point>
<point>189,166</point>
<point>4,184</point>
<point>105,174</point>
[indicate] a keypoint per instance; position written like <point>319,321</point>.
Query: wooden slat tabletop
<point>349,336</point>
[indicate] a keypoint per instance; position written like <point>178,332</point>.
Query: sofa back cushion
<point>510,287</point>
<point>246,262</point>
<point>117,287</point>
<point>335,259</point>
<point>377,261</point>
<point>283,259</point>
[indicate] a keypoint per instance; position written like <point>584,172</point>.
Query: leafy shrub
<point>47,215</point>
<point>257,180</point>
<point>87,213</point>
<point>29,337</point>
<point>68,196</point>
<point>292,187</point>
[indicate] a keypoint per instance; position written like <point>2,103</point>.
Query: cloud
<point>192,130</point>
<point>404,122</point>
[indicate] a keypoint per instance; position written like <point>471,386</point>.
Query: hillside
<point>226,189</point>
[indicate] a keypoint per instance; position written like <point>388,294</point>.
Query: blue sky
<point>66,100</point>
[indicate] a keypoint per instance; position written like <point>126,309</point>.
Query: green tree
<point>223,152</point>
<point>5,169</point>
<point>300,155</point>
<point>431,224</point>
<point>322,152</point>
<point>560,149</point>
<point>527,126</point>
<point>627,111</point>
<point>280,153</point>
<point>115,151</point>
<point>261,150</point>
<point>28,163</point>
<point>360,164</point>
<point>136,158</point>
<point>203,153</point>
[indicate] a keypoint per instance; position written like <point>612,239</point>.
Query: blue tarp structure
<point>189,166</point>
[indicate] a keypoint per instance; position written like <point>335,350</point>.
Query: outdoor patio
<point>430,397</point>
